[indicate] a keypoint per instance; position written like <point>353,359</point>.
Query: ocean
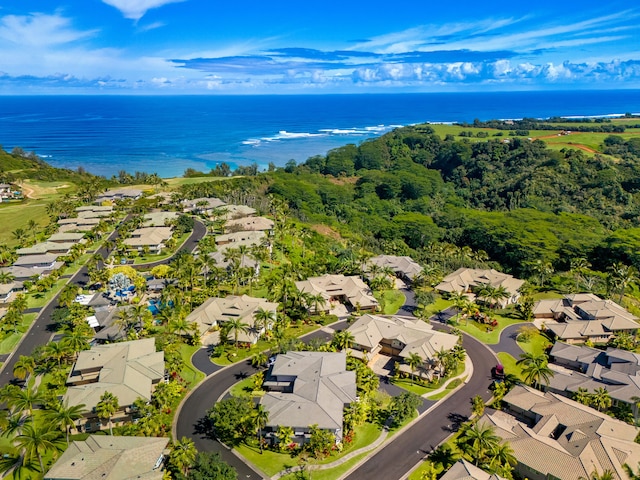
<point>167,134</point>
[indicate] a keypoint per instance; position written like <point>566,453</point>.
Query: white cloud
<point>40,30</point>
<point>136,9</point>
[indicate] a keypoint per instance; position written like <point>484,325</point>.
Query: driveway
<point>508,342</point>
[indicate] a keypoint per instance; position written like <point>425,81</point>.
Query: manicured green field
<point>392,301</point>
<point>191,374</point>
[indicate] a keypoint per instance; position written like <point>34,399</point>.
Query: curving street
<point>395,458</point>
<point>41,330</point>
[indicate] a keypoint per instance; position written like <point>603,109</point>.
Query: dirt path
<point>27,191</point>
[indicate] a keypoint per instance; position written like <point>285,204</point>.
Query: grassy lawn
<point>72,268</point>
<point>391,299</point>
<point>40,299</point>
<point>410,386</point>
<point>189,373</point>
<point>245,387</point>
<point>509,364</point>
<point>550,295</point>
<point>450,386</point>
<point>262,345</point>
<point>480,332</point>
<point>272,462</point>
<point>437,306</point>
<point>537,344</point>
<point>8,343</point>
<point>142,259</point>
<point>330,473</point>
<point>17,215</point>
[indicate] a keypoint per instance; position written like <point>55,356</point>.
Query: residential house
<point>553,437</point>
<point>238,211</point>
<point>95,208</point>
<point>466,280</point>
<point>245,224</point>
<point>45,261</point>
<point>463,470</point>
<point>93,214</point>
<point>60,248</point>
<point>159,219</point>
<point>237,239</point>
<point>68,237</point>
<point>9,192</point>
<point>153,238</point>
<point>77,224</point>
<point>118,194</point>
<point>584,316</point>
<point>222,261</point>
<point>6,190</point>
<point>351,291</point>
<point>128,370</point>
<point>399,337</point>
<point>579,366</point>
<point>202,205</point>
<point>111,458</point>
<point>214,312</point>
<point>7,291</point>
<point>405,268</point>
<point>308,388</point>
<point>30,273</point>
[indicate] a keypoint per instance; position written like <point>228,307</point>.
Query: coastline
<point>168,134</point>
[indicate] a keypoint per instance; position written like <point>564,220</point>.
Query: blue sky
<point>348,46</point>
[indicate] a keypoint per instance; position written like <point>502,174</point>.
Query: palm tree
<point>37,440</point>
<point>263,319</point>
<point>260,419</point>
<point>65,416</point>
<point>75,340</point>
<point>583,396</point>
<point>535,373</point>
<point>6,277</point>
<point>236,326</point>
<point>477,406</point>
<point>56,351</point>
<point>22,399</point>
<point>605,475</point>
<point>478,441</point>
<point>631,473</point>
<point>107,407</point>
<point>502,455</point>
<point>317,301</point>
<point>343,340</point>
<point>600,399</point>
<point>183,454</point>
<point>414,361</point>
<point>24,367</point>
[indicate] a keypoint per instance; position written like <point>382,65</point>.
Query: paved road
<point>199,231</point>
<point>508,342</point>
<point>201,400</point>
<point>41,330</point>
<point>408,448</point>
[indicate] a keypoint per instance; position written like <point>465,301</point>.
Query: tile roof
<point>568,440</point>
<point>464,278</point>
<point>415,335</point>
<point>321,389</point>
<point>404,265</point>
<point>219,310</point>
<point>106,457</point>
<point>128,370</point>
<point>331,286</point>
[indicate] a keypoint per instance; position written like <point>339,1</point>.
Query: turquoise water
<point>167,134</point>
